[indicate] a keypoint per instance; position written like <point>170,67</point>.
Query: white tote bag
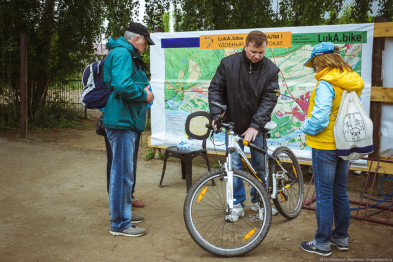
<point>353,129</point>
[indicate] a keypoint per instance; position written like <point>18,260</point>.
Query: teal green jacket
<point>126,107</point>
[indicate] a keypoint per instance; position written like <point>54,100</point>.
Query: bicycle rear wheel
<point>289,198</point>
<point>205,208</point>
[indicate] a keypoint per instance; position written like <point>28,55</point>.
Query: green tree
<point>119,14</point>
<point>347,16</point>
<point>251,14</point>
<point>303,13</point>
<point>154,13</point>
<point>197,15</point>
<point>194,15</point>
<point>361,11</point>
<point>386,10</point>
<point>61,36</point>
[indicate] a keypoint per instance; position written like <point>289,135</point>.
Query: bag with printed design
<point>353,129</point>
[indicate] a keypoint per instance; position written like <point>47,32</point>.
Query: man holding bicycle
<point>247,83</point>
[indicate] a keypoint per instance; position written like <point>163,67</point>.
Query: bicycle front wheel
<point>205,209</point>
<point>289,198</point>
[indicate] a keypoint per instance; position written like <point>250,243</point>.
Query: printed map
<point>188,72</point>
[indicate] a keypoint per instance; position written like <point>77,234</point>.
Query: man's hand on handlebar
<point>216,123</point>
<point>216,128</point>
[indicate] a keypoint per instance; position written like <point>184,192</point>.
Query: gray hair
<point>130,36</point>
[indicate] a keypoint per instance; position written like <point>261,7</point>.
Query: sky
<point>141,11</point>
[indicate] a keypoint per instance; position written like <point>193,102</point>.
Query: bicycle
<point>210,199</point>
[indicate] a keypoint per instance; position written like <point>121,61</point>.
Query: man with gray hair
<point>124,119</point>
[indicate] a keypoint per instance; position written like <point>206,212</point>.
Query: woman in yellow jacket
<point>330,171</point>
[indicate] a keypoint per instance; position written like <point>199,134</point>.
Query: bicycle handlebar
<point>222,107</point>
<point>218,121</point>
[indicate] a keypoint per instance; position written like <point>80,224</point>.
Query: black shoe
<point>341,248</point>
<point>309,247</point>
<point>136,219</point>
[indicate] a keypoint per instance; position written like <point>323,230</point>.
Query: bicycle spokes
<point>206,213</point>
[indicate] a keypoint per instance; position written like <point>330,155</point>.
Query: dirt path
<point>53,204</point>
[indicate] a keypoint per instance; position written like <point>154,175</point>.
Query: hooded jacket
<point>249,90</point>
<point>126,107</point>
<point>325,102</point>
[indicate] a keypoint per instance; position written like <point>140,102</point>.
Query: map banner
<point>280,39</point>
<point>183,64</point>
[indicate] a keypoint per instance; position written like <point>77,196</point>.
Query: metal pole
<point>23,86</point>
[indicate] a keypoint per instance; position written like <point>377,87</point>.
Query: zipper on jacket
<point>250,68</point>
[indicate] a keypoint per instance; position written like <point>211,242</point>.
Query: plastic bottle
<point>188,145</point>
<point>194,145</point>
<point>183,145</point>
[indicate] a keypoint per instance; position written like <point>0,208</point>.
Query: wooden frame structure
<point>379,94</point>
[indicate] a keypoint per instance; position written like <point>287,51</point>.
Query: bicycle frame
<point>233,146</point>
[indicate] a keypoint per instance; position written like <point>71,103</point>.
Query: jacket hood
<point>346,80</point>
<point>120,42</point>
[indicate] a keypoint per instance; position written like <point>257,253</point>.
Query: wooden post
<point>376,80</point>
<point>157,152</point>
<point>23,86</point>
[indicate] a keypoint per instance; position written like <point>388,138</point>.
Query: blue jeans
<point>109,161</point>
<point>257,161</point>
<point>122,177</point>
<point>330,179</point>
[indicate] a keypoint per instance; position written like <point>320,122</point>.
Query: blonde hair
<point>332,60</point>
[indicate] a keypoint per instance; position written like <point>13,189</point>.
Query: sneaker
<point>310,247</point>
<point>136,219</point>
<point>237,211</point>
<point>255,207</point>
<point>132,231</point>
<point>341,248</point>
<point>136,203</point>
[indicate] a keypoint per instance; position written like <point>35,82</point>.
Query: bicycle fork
<point>229,172</point>
<point>229,184</point>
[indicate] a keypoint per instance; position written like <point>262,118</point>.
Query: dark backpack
<point>94,93</point>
